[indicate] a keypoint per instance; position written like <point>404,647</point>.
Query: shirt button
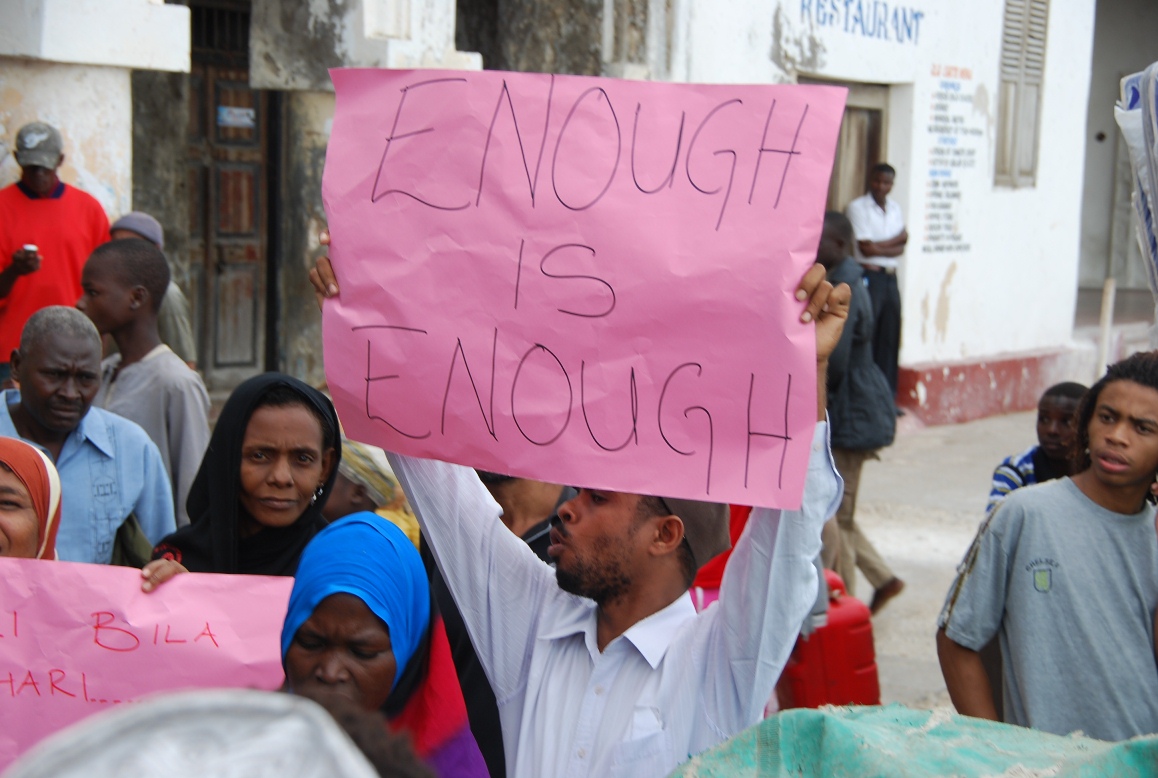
<point>582,752</point>
<point>599,689</point>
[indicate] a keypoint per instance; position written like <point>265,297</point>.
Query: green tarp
<point>897,742</point>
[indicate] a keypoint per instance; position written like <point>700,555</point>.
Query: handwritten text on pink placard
<point>581,280</point>
<point>76,639</point>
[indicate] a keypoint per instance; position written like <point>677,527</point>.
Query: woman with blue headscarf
<point>360,625</point>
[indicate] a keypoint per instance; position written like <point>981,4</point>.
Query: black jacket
<point>861,410</point>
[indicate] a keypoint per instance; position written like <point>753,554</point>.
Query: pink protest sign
<point>77,639</point>
<point>580,280</point>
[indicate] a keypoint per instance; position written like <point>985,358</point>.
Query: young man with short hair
<point>124,282</point>
<point>1066,574</point>
<point>1050,458</point>
<point>173,320</point>
<point>880,246</point>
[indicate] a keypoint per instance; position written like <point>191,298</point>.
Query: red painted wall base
<point>954,393</point>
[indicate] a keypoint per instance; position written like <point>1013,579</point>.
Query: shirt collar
<point>56,194</point>
<point>651,636</point>
<point>97,434</point>
<point>88,429</point>
<point>563,622</point>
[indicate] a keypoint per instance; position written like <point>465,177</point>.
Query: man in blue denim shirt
<point>109,468</point>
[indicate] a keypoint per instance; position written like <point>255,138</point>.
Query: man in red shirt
<point>47,231</point>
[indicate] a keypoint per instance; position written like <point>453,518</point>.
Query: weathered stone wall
<point>160,185</point>
<point>528,35</point>
<point>558,37</point>
<point>307,129</point>
<point>293,47</point>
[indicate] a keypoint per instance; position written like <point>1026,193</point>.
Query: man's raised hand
<point>827,306</point>
<point>322,274</point>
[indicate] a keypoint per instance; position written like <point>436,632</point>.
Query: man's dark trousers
<point>886,302</point>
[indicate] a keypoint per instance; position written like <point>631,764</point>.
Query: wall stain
<point>981,100</point>
<point>925,318</point>
<point>941,322</point>
<point>793,52</point>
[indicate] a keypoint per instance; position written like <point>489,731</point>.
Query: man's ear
<point>14,361</point>
<point>669,534</point>
<point>139,297</point>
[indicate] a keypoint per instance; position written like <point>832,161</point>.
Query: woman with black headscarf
<point>257,498</point>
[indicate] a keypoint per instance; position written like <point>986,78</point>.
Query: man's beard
<point>603,584</point>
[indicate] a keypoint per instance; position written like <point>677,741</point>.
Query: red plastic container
<point>836,664</point>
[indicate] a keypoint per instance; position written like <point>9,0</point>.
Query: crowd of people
<point>513,627</point>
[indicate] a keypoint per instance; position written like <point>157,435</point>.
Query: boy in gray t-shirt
<point>1066,574</point>
<point>124,281</point>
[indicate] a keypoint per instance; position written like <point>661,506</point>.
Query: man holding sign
<point>603,667</point>
<point>595,281</point>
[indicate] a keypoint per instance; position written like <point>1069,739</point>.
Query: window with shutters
<point>1019,95</point>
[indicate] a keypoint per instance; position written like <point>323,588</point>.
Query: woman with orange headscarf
<point>29,501</point>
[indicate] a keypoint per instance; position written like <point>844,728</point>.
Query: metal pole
<point>1106,324</point>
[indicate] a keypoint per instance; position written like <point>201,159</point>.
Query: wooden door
<point>228,187</point>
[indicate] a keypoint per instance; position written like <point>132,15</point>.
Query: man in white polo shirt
<point>880,244</point>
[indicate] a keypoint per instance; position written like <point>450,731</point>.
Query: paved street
<point>921,505</point>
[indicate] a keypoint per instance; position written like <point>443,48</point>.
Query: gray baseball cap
<point>38,144</point>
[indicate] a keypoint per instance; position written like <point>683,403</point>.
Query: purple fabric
<point>458,757</point>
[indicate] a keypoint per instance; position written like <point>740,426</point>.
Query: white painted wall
<point>92,108</point>
<point>142,34</point>
<point>1014,289</point>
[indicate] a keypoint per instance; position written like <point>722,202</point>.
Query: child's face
<point>105,300</point>
<point>1055,426</point>
<point>1124,435</point>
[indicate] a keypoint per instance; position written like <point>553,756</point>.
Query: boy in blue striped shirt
<point>1049,459</point>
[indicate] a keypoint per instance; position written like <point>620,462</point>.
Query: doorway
<point>228,177</point>
<point>860,144</point>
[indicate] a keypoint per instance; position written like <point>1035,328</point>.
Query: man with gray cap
<point>47,231</point>
<point>602,667</point>
<point>173,322</point>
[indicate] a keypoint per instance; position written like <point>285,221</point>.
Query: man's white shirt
<point>871,222</point>
<point>674,684</point>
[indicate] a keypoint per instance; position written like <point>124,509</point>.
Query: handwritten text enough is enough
<point>580,280</point>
